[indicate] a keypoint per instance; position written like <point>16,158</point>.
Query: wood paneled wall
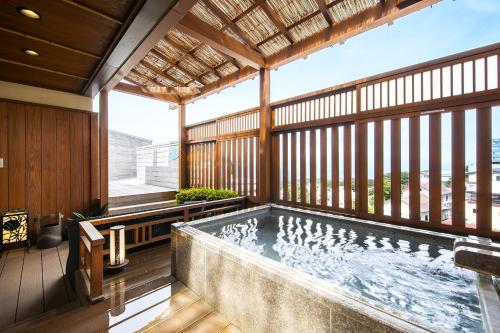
<point>47,159</point>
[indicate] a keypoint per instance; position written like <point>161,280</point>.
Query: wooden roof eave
<point>168,21</point>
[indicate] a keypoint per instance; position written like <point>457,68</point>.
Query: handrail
<point>161,211</point>
<point>91,260</point>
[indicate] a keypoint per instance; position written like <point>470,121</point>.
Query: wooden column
<point>182,147</point>
<point>483,167</point>
<point>95,188</point>
<point>265,136</point>
<point>103,146</point>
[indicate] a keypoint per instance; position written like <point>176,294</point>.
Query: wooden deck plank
<point>2,262</point>
<point>54,288</point>
<point>9,286</point>
<point>31,290</point>
<point>160,314</point>
<point>213,322</point>
<point>183,318</point>
<point>231,329</point>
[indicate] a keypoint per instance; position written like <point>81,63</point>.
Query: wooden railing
<point>357,148</point>
<point>227,157</point>
<point>147,227</point>
<point>91,261</point>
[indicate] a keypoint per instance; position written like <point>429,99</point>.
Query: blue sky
<point>446,28</point>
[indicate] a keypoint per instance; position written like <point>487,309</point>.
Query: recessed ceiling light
<point>29,13</point>
<point>31,53</point>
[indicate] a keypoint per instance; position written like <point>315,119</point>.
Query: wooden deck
<point>143,298</point>
<point>32,283</point>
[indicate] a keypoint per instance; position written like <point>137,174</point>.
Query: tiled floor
<point>133,186</point>
<point>143,298</point>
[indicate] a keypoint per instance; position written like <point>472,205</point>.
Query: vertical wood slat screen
<point>201,164</point>
<point>334,104</point>
<point>422,109</point>
<point>240,122</point>
<point>359,148</point>
<point>202,131</point>
<point>303,174</point>
<point>238,160</point>
<point>223,153</point>
<point>473,74</point>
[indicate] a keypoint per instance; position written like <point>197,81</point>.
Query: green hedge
<point>201,193</point>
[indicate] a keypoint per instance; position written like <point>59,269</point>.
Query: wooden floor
<point>32,283</point>
<point>143,298</point>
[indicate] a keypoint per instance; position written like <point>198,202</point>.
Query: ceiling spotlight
<point>29,13</point>
<point>31,53</point>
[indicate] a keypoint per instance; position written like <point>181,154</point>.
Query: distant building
<point>495,147</point>
<point>471,202</point>
<point>424,200</point>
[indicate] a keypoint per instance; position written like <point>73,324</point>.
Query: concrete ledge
<point>490,303</point>
<point>262,295</point>
<point>478,260</point>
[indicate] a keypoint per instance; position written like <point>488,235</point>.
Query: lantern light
<point>117,247</point>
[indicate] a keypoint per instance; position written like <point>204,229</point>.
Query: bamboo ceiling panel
<point>222,42</point>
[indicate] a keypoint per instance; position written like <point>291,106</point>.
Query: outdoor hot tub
<point>277,269</point>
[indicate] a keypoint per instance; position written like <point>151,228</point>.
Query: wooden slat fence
<point>377,148</point>
<point>226,156</point>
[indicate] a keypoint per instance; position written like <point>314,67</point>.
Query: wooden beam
<point>135,90</point>
<point>382,13</point>
<point>182,148</point>
<point>153,21</point>
<point>230,24</point>
<point>275,19</point>
<point>265,120</point>
<point>229,80</point>
<point>324,11</point>
<point>103,147</point>
<point>205,33</point>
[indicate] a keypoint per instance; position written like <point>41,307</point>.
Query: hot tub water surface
<point>407,273</point>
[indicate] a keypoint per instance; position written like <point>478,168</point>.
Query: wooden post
<point>182,147</point>
<point>103,146</point>
<point>96,272</point>
<point>483,170</point>
<point>265,137</point>
<point>95,175</point>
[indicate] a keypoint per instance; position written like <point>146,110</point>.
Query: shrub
<point>202,193</point>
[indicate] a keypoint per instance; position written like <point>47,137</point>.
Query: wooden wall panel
<point>17,155</point>
<point>49,179</point>
<point>4,151</point>
<point>48,163</point>
<point>63,158</point>
<point>33,162</point>
<point>76,159</point>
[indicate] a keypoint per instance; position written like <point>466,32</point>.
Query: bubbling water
<point>412,275</point>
